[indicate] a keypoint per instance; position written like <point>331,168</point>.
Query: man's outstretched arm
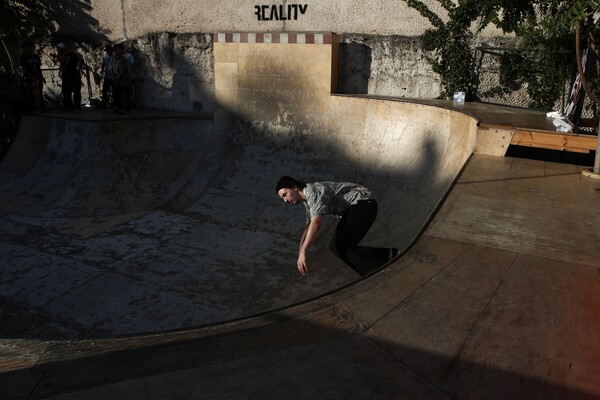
<point>308,237</point>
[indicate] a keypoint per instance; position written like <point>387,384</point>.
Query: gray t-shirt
<point>333,198</point>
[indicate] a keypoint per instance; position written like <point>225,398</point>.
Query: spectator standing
<point>107,82</point>
<point>131,63</point>
<point>121,82</point>
<point>71,64</point>
<point>31,65</point>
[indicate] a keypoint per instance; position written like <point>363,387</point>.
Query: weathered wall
<point>387,66</point>
<point>135,18</point>
<point>279,96</point>
<point>380,50</point>
<point>175,71</point>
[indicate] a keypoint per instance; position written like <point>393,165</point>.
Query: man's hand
<point>308,237</point>
<point>302,268</point>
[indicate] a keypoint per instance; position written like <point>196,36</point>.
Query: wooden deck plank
<point>555,140</point>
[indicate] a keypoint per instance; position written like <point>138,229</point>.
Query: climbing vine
<point>449,43</point>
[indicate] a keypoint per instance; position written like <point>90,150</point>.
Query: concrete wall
<point>279,96</point>
<point>176,71</point>
<point>386,66</point>
<point>379,43</point>
<point>134,18</point>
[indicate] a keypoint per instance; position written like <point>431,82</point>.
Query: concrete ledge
<point>99,115</point>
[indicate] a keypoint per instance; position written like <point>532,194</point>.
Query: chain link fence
<point>487,79</point>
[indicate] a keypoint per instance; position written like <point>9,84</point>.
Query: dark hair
<point>287,182</point>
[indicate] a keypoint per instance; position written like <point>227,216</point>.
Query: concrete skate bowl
<point>119,227</point>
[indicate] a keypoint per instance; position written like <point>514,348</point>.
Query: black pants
<point>121,97</point>
<point>34,96</point>
<point>351,229</point>
<point>71,92</point>
<point>107,91</point>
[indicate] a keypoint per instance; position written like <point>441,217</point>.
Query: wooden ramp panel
<point>555,140</point>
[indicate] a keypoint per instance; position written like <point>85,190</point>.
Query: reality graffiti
<point>279,12</point>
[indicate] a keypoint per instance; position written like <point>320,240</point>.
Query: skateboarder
<point>356,207</point>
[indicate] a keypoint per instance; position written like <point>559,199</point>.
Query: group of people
<point>117,65</point>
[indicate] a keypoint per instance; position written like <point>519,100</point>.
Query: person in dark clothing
<point>357,208</point>
<point>71,64</point>
<point>31,64</point>
<point>121,81</point>
<point>107,77</point>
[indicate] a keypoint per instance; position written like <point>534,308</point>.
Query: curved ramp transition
<point>127,226</point>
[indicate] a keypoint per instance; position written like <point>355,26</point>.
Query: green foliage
<point>20,19</point>
<point>449,42</point>
<point>544,33</point>
<point>513,70</point>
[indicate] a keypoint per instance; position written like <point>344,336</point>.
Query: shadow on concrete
<point>111,229</point>
<point>175,71</point>
<point>121,226</point>
<point>74,20</point>
<point>45,23</point>
<point>355,68</point>
<point>288,357</point>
